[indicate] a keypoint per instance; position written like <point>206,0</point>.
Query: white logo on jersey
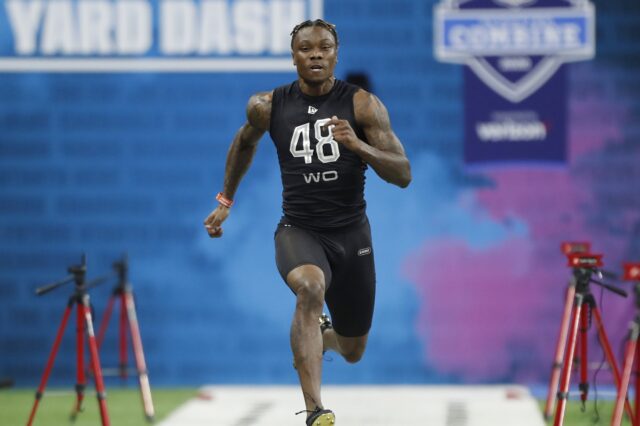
<point>327,176</point>
<point>364,251</point>
<point>312,110</point>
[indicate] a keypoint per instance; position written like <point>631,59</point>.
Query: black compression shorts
<point>346,258</point>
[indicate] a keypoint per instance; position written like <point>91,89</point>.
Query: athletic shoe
<point>325,322</point>
<point>321,417</point>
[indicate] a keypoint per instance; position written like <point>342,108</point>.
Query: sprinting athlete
<point>326,133</point>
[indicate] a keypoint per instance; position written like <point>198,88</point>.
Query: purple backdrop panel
<point>498,130</point>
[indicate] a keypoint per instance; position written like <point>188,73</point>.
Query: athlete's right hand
<point>214,221</point>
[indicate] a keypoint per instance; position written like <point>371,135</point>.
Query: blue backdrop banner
<point>515,94</point>
<point>150,35</point>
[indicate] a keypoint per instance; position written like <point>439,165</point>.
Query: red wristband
<point>224,200</point>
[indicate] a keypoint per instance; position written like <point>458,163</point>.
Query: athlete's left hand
<point>343,132</point>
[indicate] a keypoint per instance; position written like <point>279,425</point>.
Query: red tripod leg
<point>95,361</point>
<point>611,359</point>
<point>145,389</point>
<point>637,407</point>
<point>81,379</point>
<point>560,345</point>
<point>50,360</point>
<point>105,321</point>
<point>584,359</point>
<point>637,389</point>
<point>123,336</point>
<point>629,355</point>
<point>563,393</point>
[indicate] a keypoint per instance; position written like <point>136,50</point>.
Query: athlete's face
<point>314,54</point>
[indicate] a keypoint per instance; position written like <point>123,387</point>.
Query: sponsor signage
<point>583,260</point>
<point>150,35</point>
<point>515,90</point>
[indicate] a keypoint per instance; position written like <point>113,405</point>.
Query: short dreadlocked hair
<point>315,23</point>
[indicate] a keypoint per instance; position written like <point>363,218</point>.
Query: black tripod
<point>123,293</point>
<point>80,299</point>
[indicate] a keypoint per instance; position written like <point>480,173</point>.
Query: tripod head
<point>585,266</point>
<point>632,273</point>
<point>584,247</point>
<point>121,268</point>
<point>78,275</point>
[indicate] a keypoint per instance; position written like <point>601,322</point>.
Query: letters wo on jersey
<point>514,46</point>
<point>150,35</point>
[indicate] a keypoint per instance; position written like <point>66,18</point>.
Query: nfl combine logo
<point>514,46</point>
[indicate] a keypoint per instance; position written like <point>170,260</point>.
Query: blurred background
<point>471,278</point>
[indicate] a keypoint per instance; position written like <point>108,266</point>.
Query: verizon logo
<point>511,131</point>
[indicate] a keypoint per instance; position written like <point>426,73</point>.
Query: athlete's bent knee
<point>310,292</point>
<point>354,356</point>
<point>352,348</point>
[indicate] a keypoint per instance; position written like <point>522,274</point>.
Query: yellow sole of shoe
<point>328,419</point>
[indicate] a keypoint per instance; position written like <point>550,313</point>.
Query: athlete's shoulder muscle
<point>370,111</point>
<point>259,110</point>
<point>373,117</point>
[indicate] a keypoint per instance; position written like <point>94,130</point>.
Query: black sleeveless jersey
<point>323,182</point>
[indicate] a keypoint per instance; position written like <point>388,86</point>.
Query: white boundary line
<point>392,405</point>
<point>193,65</point>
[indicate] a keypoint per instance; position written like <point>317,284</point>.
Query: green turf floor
<point>125,408</point>
<point>575,416</point>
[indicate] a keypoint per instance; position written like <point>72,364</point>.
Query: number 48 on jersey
<point>297,149</point>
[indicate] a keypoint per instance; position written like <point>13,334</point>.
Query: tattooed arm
<point>383,152</point>
<point>240,156</point>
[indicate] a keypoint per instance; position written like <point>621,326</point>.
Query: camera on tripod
<point>569,247</point>
<point>584,260</point>
<point>631,271</point>
<point>579,310</point>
